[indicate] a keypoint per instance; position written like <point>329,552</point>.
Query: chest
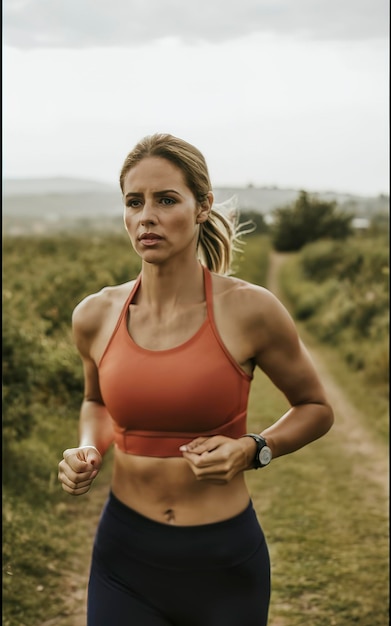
<point>153,331</point>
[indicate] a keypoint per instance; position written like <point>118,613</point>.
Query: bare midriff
<point>167,491</point>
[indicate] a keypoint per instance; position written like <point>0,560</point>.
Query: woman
<point>168,361</point>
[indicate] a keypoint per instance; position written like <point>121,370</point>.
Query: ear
<point>204,208</point>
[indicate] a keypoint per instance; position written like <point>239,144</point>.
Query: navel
<point>169,516</point>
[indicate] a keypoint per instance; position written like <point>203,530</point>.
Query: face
<point>161,214</point>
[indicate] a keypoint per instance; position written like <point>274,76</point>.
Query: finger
<point>64,471</point>
<point>202,444</point>
<point>76,477</point>
<point>218,477</point>
<point>208,458</point>
<point>82,459</point>
<point>198,460</point>
<point>91,455</point>
<point>75,464</point>
<point>75,484</point>
<point>217,462</point>
<point>76,491</point>
<point>193,445</point>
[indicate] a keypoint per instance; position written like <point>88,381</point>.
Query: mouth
<point>149,238</point>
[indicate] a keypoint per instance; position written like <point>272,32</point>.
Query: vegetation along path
<point>370,457</point>
<point>367,460</point>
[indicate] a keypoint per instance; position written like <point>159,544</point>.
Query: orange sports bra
<point>162,399</point>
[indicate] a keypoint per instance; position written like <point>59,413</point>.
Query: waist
<point>166,490</point>
<point>138,520</point>
<point>126,537</point>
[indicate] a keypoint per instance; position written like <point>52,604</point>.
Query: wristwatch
<point>263,454</point>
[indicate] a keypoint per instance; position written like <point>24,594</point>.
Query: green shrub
<point>308,219</point>
<point>341,291</point>
<point>252,265</point>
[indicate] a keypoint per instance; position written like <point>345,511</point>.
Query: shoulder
<point>90,315</point>
<point>247,296</point>
<point>92,307</point>
<point>252,308</point>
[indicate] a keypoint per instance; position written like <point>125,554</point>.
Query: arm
<point>273,346</point>
<point>95,425</point>
<point>81,465</point>
<point>285,360</point>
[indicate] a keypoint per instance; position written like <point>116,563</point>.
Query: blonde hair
<point>219,235</point>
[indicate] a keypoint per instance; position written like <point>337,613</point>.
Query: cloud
<point>128,23</point>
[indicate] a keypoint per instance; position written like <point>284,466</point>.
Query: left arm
<point>285,360</point>
<point>278,351</point>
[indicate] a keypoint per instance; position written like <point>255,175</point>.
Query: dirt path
<point>369,458</point>
<point>86,511</point>
<point>349,427</point>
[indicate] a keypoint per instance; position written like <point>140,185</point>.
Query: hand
<point>216,459</point>
<point>78,469</point>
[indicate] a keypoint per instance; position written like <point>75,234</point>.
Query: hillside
<point>40,205</point>
<point>44,186</point>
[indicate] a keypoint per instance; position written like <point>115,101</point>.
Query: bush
<point>306,220</point>
<point>341,291</point>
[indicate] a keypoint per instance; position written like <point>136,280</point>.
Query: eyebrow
<point>163,192</point>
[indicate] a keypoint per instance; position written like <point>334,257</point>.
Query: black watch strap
<point>263,454</point>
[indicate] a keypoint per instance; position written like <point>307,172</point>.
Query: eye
<point>133,203</point>
<point>167,201</point>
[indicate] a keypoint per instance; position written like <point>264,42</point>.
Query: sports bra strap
<point>208,293</point>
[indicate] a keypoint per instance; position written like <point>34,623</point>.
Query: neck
<point>163,285</point>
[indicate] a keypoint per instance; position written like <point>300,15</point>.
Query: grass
<point>326,526</point>
<point>327,531</point>
<point>371,397</point>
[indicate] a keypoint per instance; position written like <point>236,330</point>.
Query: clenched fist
<point>78,469</point>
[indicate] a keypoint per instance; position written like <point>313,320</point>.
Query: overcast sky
<point>292,93</point>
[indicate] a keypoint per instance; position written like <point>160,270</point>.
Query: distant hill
<point>53,203</point>
<point>44,186</point>
<point>267,199</point>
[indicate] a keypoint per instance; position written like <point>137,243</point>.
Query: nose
<point>148,214</point>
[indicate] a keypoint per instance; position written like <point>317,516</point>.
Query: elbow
<point>328,419</point>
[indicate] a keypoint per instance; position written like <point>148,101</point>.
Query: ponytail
<point>220,237</point>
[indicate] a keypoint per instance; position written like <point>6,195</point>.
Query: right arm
<point>81,465</point>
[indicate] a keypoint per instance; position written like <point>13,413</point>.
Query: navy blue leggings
<point>146,573</point>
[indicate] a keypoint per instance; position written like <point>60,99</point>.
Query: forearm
<point>95,426</point>
<point>298,427</point>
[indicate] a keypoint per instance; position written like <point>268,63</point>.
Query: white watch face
<point>265,455</point>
